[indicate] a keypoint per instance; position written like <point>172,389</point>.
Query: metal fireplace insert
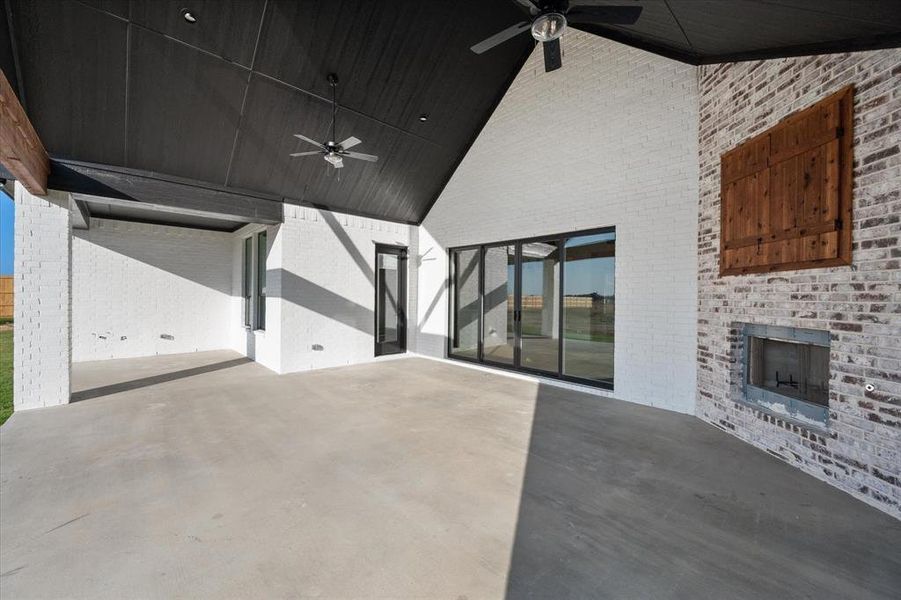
<point>786,372</point>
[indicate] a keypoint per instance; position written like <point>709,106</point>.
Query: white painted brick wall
<point>42,297</point>
<point>320,273</point>
<point>327,289</point>
<point>609,139</point>
<point>134,282</point>
<point>264,346</point>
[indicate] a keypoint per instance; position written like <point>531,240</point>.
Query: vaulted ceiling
<point>130,89</point>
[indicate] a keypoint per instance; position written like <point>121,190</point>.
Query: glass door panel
<point>540,299</point>
<point>498,316</point>
<point>466,305</point>
<point>390,300</point>
<point>544,305</point>
<point>589,307</point>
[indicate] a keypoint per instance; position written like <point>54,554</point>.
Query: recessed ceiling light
<point>423,117</point>
<point>188,15</point>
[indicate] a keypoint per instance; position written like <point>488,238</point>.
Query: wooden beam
<point>21,151</point>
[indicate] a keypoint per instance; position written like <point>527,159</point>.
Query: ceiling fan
<point>548,20</point>
<point>332,152</point>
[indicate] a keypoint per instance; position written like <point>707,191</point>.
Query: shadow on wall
<point>432,305</point>
<point>302,292</point>
<point>626,501</point>
<point>311,296</point>
<point>348,244</point>
<point>209,265</point>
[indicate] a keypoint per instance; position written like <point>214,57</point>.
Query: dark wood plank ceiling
<point>716,31</point>
<point>129,84</point>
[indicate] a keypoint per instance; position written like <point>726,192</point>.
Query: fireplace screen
<point>787,371</point>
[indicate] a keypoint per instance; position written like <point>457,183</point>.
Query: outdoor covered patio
<point>451,299</point>
<point>407,478</point>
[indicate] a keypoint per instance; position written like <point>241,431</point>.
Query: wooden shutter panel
<point>786,194</point>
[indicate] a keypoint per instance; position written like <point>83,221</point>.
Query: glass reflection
<point>540,312</point>
<point>466,305</point>
<point>500,290</point>
<point>589,307</point>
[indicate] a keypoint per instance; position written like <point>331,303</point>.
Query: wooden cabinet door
<point>786,194</point>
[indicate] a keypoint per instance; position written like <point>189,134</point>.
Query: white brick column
<point>42,312</point>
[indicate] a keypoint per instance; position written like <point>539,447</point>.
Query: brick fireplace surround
<point>859,305</point>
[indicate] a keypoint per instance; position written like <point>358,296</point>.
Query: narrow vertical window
<point>246,274</point>
<point>261,280</point>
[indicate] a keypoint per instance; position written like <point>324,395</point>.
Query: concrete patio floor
<point>205,475</point>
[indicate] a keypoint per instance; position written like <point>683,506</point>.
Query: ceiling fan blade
<point>501,37</point>
<point>306,139</point>
<point>350,142</point>
<point>552,59</point>
<point>604,15</point>
<point>306,153</point>
<point>528,5</point>
<point>360,156</point>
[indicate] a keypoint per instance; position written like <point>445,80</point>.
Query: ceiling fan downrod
<point>333,81</point>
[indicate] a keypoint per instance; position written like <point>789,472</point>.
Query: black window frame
<point>260,279</point>
<point>247,280</point>
<point>452,268</point>
<point>400,347</point>
<point>560,238</point>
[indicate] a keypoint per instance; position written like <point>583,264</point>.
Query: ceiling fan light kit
<point>549,20</point>
<point>332,152</point>
<point>548,27</point>
<point>335,159</point>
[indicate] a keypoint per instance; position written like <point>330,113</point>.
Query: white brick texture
<point>42,299</point>
<point>860,305</point>
<point>264,346</point>
<point>320,296</point>
<point>327,287</point>
<point>141,290</point>
<point>608,140</point>
<point>617,137</point>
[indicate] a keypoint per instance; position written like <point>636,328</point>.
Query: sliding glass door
<point>539,309</point>
<point>543,305</point>
<point>499,309</point>
<point>466,322</point>
<point>588,307</point>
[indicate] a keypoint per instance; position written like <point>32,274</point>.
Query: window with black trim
<point>247,280</point>
<point>544,305</point>
<point>261,281</point>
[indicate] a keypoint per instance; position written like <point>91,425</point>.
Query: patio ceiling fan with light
<point>548,21</point>
<point>332,152</point>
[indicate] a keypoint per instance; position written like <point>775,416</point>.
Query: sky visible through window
<point>6,234</point>
<point>582,276</point>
